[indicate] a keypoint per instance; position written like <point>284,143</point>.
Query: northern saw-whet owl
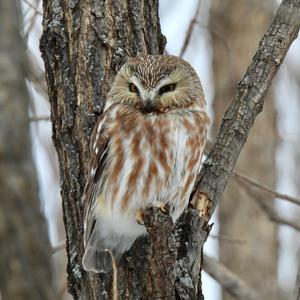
<point>146,151</point>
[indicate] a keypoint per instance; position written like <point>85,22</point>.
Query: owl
<point>146,151</point>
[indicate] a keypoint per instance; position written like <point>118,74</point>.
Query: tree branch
<point>190,30</point>
<point>253,182</point>
<point>245,179</point>
<point>269,210</point>
<point>25,248</point>
<point>234,285</point>
<point>248,103</point>
<point>240,116</point>
<point>39,118</point>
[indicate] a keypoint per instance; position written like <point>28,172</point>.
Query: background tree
<point>243,23</point>
<point>25,250</point>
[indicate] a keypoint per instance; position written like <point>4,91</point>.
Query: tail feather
<point>97,260</point>
<point>101,251</point>
<point>104,247</point>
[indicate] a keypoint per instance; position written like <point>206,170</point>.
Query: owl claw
<point>163,208</point>
<point>139,216</point>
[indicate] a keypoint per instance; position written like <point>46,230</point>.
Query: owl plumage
<point>146,151</point>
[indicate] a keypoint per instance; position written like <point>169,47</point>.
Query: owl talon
<point>163,208</point>
<point>139,216</point>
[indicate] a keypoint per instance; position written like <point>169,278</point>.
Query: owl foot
<point>164,208</point>
<point>139,216</point>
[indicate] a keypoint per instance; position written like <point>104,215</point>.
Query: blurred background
<point>255,234</point>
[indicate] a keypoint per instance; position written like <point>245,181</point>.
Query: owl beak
<point>149,101</point>
<point>149,106</point>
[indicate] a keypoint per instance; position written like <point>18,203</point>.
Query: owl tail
<point>97,260</point>
<point>97,257</point>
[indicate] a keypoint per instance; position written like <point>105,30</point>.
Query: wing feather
<point>99,146</point>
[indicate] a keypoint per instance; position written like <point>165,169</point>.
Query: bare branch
<point>234,285</point>
<point>35,74</point>
<point>269,210</point>
<point>39,118</point>
<point>190,30</point>
<point>244,178</point>
<point>59,247</point>
<point>33,18</point>
<point>35,8</point>
<point>228,239</point>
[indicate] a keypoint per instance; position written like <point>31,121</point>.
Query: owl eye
<point>133,88</point>
<point>167,88</point>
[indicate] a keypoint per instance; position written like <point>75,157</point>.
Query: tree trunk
<point>243,23</point>
<point>25,250</point>
<point>83,45</point>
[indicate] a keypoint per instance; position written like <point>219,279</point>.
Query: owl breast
<point>151,159</point>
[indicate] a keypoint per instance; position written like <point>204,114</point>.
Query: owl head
<point>156,83</point>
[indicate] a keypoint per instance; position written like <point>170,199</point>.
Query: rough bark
<point>25,250</point>
<point>83,45</point>
<point>243,23</point>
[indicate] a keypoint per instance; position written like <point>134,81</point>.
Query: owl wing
<point>95,259</point>
<point>98,149</point>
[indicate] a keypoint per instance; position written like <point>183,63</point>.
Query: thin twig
<point>39,118</point>
<point>234,285</point>
<point>35,74</point>
<point>35,8</point>
<point>190,30</point>
<point>33,17</point>
<point>228,239</point>
<point>269,210</point>
<point>244,178</point>
<point>59,247</point>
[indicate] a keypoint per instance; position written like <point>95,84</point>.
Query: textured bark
<point>243,23</point>
<point>25,250</point>
<point>84,43</point>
